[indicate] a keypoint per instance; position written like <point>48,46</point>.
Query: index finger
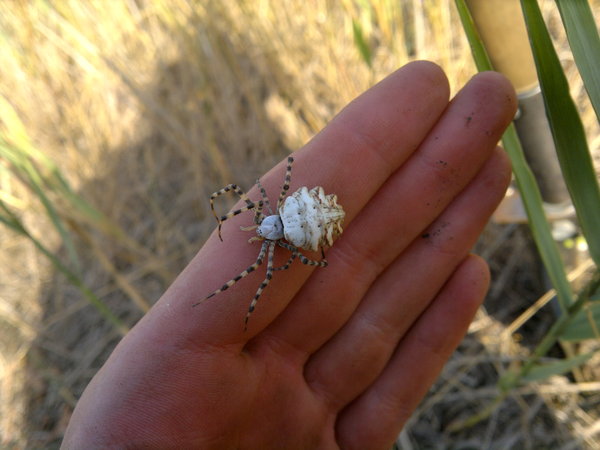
<point>352,158</point>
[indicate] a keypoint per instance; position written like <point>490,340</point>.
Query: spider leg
<point>265,199</point>
<point>311,262</point>
<point>250,205</point>
<point>252,268</point>
<point>303,259</point>
<point>286,182</point>
<point>288,263</point>
<point>265,283</point>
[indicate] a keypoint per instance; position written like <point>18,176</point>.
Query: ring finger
<point>361,349</point>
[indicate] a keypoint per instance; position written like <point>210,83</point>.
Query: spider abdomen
<point>311,219</point>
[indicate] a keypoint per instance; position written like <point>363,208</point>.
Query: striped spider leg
<point>250,205</point>
<point>266,281</point>
<point>286,183</point>
<point>270,269</point>
<point>265,199</point>
<point>267,246</point>
<point>303,259</point>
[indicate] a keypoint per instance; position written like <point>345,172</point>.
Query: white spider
<point>307,219</point>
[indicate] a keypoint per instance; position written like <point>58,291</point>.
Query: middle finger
<point>409,201</point>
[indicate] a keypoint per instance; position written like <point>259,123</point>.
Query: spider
<point>306,219</point>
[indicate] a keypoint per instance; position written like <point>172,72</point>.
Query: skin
<point>334,357</point>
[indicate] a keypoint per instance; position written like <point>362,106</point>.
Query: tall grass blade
<point>538,224</point>
<point>542,371</point>
<point>480,56</point>
<point>361,43</point>
<point>584,41</point>
<point>41,174</point>
<point>25,153</point>
<point>9,218</point>
<point>585,324</point>
<point>23,168</point>
<point>530,193</point>
<point>567,129</point>
<point>17,149</point>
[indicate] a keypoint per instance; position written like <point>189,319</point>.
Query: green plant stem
<point>553,335</point>
<point>480,56</point>
<point>512,379</point>
<point>13,222</point>
<point>538,224</point>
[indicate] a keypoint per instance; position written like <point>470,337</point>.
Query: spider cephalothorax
<point>307,219</point>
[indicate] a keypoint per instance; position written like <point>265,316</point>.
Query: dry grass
<point>147,107</point>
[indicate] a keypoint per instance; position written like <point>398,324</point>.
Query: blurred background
<point>118,119</point>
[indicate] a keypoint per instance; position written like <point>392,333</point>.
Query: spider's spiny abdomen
<point>311,219</point>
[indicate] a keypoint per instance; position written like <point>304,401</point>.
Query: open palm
<point>338,356</point>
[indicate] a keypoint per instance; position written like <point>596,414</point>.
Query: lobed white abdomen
<point>311,219</point>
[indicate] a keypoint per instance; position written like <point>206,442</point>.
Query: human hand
<point>337,356</point>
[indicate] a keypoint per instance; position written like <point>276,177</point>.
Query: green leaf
<point>361,43</point>
<point>585,324</point>
<point>538,224</point>
<point>27,172</point>
<point>9,219</point>
<point>530,193</point>
<point>583,38</point>
<point>567,129</point>
<point>542,371</point>
<point>480,56</point>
